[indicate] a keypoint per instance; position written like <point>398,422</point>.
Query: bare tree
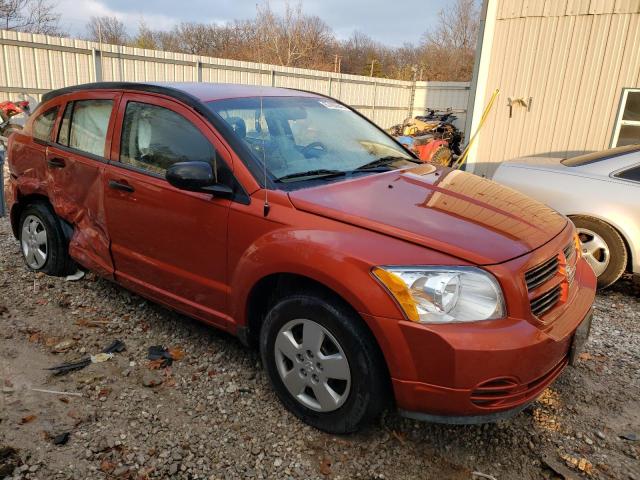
<point>145,38</point>
<point>293,39</point>
<point>107,29</point>
<point>449,48</point>
<point>33,16</point>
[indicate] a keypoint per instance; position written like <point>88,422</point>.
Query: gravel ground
<point>212,413</point>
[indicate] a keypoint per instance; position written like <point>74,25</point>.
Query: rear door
<point>167,243</point>
<point>75,161</point>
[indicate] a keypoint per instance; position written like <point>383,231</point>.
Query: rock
<point>600,435</point>
<point>151,379</point>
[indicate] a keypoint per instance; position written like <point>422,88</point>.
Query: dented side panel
<point>72,181</point>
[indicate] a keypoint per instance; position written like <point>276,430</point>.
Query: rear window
<point>84,125</point>
<point>43,125</point>
<point>599,156</point>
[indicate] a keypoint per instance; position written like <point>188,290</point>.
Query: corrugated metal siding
<point>572,57</point>
<point>36,63</point>
<point>441,96</point>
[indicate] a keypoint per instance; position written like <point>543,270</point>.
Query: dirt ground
<point>212,414</point>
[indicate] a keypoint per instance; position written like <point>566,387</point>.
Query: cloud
<point>383,20</point>
<point>75,14</point>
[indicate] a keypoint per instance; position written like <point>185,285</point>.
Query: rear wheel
<point>603,248</point>
<point>42,241</point>
<point>322,363</point>
<point>442,156</point>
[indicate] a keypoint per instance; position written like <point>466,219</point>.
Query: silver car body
<point>591,189</point>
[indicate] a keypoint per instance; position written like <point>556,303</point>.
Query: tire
<point>53,258</point>
<point>608,262</point>
<point>361,398</point>
<point>442,156</point>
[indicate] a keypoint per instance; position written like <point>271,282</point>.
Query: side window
<point>154,138</point>
<point>632,174</point>
<point>43,125</point>
<point>84,125</point>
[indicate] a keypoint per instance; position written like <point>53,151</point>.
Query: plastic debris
<point>115,347</point>
<point>632,437</point>
<point>483,475</point>
<point>75,277</point>
<point>162,357</point>
<point>56,392</point>
<point>61,439</point>
<point>101,357</point>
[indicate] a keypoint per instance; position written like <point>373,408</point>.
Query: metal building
<point>569,78</point>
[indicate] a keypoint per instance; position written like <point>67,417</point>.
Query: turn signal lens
<point>399,291</point>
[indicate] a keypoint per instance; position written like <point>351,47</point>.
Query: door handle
<point>124,187</point>
<point>56,162</point>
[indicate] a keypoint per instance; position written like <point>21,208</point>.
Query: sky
<point>388,21</point>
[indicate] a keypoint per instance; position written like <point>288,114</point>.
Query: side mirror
<point>196,177</point>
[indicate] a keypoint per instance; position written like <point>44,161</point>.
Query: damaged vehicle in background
<point>599,192</point>
<point>366,278</point>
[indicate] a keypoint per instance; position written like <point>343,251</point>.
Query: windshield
<point>302,139</point>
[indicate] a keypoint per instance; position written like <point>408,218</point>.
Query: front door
<point>166,243</point>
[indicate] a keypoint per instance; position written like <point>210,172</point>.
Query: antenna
<point>266,207</point>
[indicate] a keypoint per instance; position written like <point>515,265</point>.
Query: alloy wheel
<point>312,365</point>
<point>595,250</point>
<point>34,242</point>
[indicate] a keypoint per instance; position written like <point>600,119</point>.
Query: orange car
<point>366,278</point>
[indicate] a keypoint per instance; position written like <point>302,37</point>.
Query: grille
<point>546,301</point>
<point>541,273</point>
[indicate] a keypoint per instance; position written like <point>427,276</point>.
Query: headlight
<point>443,294</point>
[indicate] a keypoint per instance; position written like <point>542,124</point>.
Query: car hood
<point>451,211</point>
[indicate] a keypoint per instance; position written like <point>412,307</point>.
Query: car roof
<point>204,92</point>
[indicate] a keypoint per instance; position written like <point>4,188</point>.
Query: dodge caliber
<point>366,279</point>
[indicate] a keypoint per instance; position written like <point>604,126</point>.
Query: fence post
<point>198,71</point>
<point>97,64</point>
<point>412,99</point>
<point>273,78</point>
<point>373,106</point>
<point>330,84</point>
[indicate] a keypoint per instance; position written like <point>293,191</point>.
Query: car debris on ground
<point>116,346</point>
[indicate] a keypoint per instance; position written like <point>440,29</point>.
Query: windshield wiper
<point>384,161</point>
<point>311,174</point>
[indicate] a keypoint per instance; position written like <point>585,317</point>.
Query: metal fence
<point>34,64</point>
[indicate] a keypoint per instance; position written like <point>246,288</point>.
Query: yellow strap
<point>485,114</point>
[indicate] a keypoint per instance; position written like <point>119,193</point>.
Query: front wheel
<point>323,363</point>
<point>603,248</point>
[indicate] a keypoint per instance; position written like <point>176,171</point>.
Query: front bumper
<point>484,371</point>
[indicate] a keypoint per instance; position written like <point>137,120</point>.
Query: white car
<point>600,192</point>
